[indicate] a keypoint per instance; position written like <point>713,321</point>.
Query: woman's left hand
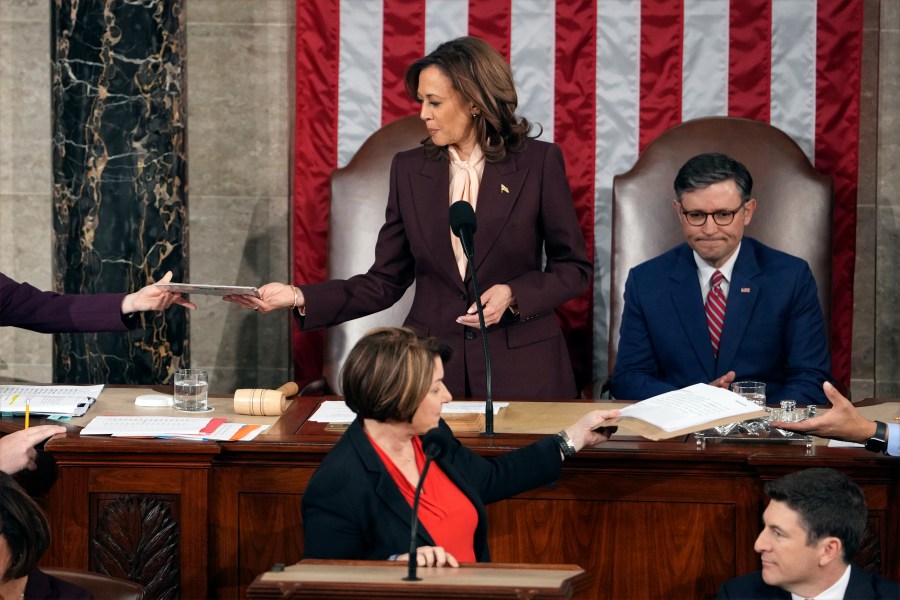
<point>589,430</point>
<point>495,302</point>
<point>431,556</point>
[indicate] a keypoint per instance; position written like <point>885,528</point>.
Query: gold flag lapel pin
<point>504,189</point>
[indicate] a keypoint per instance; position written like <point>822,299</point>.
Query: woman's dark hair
<point>23,526</point>
<point>388,372</point>
<point>482,77</point>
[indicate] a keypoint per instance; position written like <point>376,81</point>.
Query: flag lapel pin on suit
<point>504,189</point>
<point>745,290</point>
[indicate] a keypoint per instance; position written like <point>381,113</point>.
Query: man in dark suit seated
<point>811,530</point>
<point>721,306</point>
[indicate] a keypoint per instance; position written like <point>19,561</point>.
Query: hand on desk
<point>17,450</point>
<point>431,556</point>
<point>842,422</point>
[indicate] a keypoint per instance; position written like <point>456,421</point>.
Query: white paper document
<point>144,426</point>
<point>209,290</point>
<point>183,428</point>
<point>693,405</point>
<point>336,411</point>
<point>69,400</point>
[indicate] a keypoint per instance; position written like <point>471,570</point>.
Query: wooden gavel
<point>259,402</point>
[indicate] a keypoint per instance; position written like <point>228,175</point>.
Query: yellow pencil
<point>27,412</point>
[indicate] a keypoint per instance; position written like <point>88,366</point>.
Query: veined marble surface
<point>119,206</point>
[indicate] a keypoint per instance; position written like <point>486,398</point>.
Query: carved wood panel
<point>137,537</point>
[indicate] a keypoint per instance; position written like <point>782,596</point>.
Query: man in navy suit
<point>811,531</point>
<point>768,325</point>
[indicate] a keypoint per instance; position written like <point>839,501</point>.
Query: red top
<point>447,514</point>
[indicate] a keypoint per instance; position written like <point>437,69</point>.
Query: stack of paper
<point>173,427</point>
<point>68,400</point>
<point>336,411</point>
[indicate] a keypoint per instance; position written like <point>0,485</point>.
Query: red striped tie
<point>715,310</point>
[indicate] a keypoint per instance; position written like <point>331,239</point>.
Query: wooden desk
<point>351,580</point>
<point>645,519</point>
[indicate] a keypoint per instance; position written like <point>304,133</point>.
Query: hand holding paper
<point>688,410</point>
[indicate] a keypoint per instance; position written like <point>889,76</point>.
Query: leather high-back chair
<point>101,587</point>
<point>359,194</point>
<point>794,201</point>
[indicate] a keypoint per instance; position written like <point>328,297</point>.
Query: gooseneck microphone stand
<point>488,400</point>
<point>463,225</point>
<point>435,444</point>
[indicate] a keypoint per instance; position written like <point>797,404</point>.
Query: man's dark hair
<point>705,170</point>
<point>828,503</point>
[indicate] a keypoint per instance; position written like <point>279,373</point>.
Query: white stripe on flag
<point>445,20</point>
<point>616,145</point>
<point>793,97</point>
<point>532,57</point>
<point>359,75</point>
<point>704,89</point>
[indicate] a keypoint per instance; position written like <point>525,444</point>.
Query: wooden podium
<point>354,579</point>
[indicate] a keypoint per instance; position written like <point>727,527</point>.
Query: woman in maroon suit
<point>530,254</point>
<point>23,305</point>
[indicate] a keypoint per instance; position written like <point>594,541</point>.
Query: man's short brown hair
<point>388,372</point>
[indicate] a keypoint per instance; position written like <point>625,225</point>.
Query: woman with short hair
<point>358,504</point>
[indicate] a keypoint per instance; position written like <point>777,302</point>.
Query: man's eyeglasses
<point>697,218</point>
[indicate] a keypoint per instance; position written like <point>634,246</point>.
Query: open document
<point>688,410</point>
<point>68,400</point>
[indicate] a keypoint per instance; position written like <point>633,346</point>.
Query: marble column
<point>119,204</point>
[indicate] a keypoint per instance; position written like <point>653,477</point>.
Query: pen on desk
<point>27,412</point>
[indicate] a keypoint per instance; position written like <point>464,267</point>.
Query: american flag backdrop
<point>603,78</point>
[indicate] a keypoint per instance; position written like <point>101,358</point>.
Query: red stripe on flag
<point>662,44</point>
<point>575,82</point>
<point>492,22</point>
<point>750,59</point>
<point>838,67</point>
<point>403,43</point>
<point>315,154</point>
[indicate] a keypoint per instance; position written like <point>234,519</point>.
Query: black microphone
<point>435,444</point>
<point>463,225</point>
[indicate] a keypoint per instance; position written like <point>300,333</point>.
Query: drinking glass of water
<point>755,391</point>
<point>191,387</point>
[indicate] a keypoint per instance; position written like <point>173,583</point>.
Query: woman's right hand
<point>592,429</point>
<point>272,296</point>
<point>17,451</point>
<point>431,556</point>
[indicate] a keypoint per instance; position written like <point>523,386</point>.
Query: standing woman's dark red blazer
<point>524,208</point>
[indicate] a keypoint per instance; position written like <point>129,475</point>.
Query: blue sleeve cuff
<point>893,447</point>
